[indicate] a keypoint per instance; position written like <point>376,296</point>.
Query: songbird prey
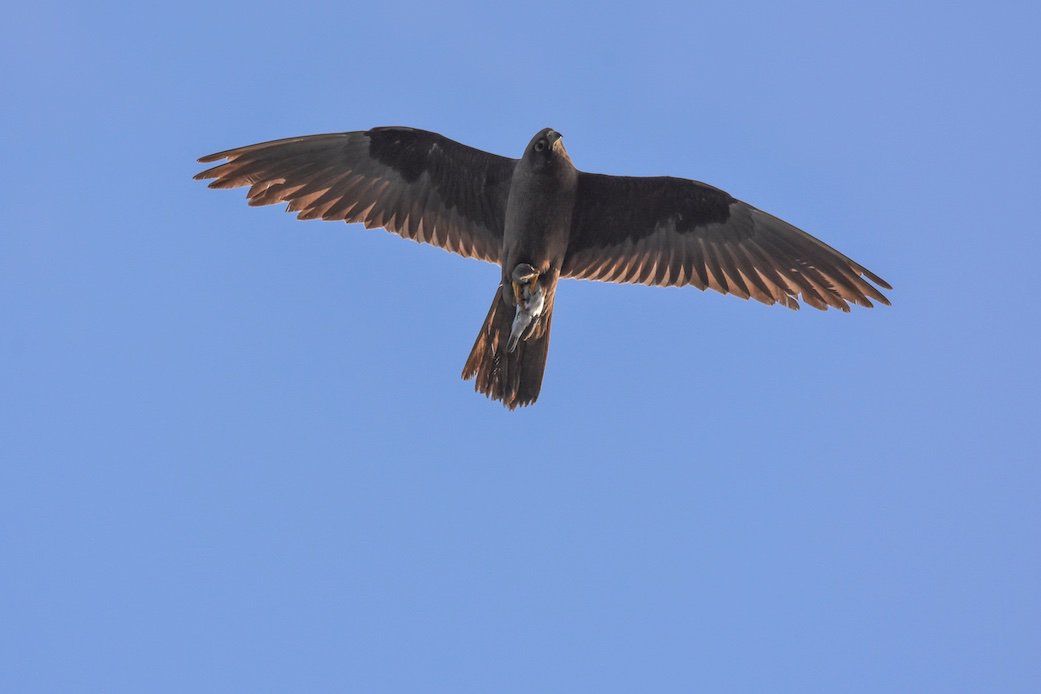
<point>541,219</point>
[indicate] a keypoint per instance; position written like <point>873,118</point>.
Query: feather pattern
<point>414,183</point>
<point>669,231</point>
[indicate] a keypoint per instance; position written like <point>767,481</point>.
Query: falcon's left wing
<point>418,184</point>
<point>671,231</point>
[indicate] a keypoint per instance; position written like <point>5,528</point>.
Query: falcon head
<point>546,148</point>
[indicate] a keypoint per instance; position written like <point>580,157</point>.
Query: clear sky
<point>237,454</point>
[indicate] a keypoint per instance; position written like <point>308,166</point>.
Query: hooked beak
<point>556,144</point>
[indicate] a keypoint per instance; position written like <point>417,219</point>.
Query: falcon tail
<point>514,377</point>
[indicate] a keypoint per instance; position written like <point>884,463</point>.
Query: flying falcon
<point>541,219</point>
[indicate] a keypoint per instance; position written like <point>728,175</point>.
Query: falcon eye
<point>540,145</point>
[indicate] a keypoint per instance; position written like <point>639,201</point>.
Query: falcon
<point>541,219</point>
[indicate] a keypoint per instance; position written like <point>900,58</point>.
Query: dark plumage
<point>540,211</point>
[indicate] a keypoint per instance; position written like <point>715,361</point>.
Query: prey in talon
<point>530,299</point>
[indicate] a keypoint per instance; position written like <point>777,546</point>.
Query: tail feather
<point>514,377</point>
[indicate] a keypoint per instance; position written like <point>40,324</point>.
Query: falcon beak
<point>556,144</point>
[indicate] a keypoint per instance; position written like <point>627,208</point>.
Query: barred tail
<point>515,377</point>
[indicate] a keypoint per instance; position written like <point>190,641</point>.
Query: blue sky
<point>237,455</point>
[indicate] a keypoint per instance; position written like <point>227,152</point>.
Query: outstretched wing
<point>415,183</point>
<point>671,231</point>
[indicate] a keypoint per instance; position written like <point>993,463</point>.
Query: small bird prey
<point>539,218</point>
<point>530,302</point>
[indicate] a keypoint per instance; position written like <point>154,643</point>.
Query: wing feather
<point>668,231</point>
<point>414,183</point>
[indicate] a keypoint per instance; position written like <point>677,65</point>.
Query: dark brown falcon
<point>541,219</point>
